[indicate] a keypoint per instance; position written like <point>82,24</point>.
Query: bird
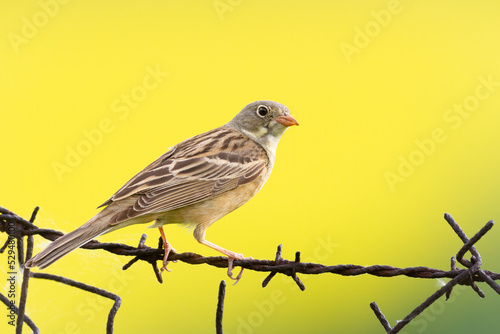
<point>195,183</point>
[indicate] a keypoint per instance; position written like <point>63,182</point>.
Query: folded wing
<point>195,170</point>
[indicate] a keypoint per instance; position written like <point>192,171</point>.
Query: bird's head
<point>264,121</point>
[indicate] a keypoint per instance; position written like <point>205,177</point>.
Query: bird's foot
<point>230,260</point>
<point>231,256</point>
<point>168,248</point>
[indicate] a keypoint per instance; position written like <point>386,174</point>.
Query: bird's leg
<point>167,248</point>
<point>231,256</point>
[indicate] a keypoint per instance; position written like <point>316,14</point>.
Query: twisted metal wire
<point>468,276</point>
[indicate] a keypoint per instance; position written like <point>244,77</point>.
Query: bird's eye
<point>262,111</point>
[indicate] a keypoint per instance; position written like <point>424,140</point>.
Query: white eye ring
<point>262,111</point>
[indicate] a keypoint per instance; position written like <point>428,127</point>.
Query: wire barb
<point>464,277</point>
<point>279,261</point>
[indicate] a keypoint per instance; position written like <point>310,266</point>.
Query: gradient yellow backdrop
<point>399,111</point>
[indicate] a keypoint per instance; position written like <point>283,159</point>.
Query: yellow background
<point>360,113</point>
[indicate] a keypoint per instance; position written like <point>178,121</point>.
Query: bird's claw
<point>164,268</point>
<point>165,262</point>
<point>230,261</point>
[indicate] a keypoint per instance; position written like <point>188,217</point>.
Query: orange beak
<point>287,120</point>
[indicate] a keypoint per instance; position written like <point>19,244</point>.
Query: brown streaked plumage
<point>196,182</point>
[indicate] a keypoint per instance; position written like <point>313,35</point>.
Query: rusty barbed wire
<point>466,276</point>
<point>469,276</point>
<point>20,311</point>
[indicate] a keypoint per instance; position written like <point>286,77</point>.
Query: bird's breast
<point>209,211</point>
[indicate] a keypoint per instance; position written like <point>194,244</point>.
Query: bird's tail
<point>63,245</point>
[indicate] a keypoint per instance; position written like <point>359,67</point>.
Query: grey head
<point>264,122</point>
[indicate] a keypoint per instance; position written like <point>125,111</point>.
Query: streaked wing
<point>195,170</point>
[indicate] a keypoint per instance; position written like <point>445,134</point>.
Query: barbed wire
<point>18,228</point>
